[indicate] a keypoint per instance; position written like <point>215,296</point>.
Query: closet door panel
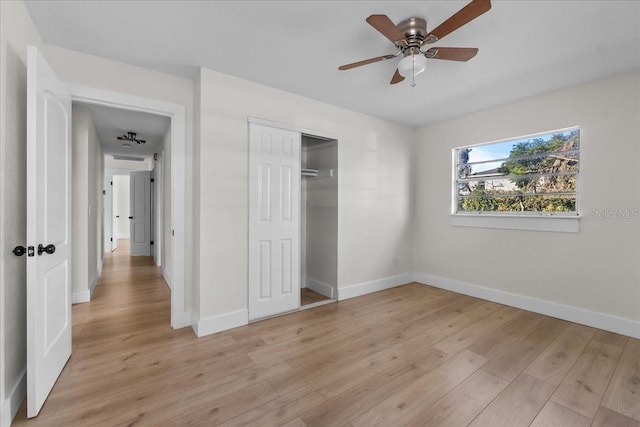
<point>274,221</point>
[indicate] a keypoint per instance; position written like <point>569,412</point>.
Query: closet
<point>293,218</point>
<point>319,220</point>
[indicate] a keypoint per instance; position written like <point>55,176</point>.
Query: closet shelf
<point>317,173</point>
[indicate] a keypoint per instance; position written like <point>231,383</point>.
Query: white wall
<point>128,165</point>
<point>121,190</point>
<point>158,209</point>
<point>375,170</point>
<point>595,270</point>
<point>87,219</point>
<point>167,267</point>
<point>16,32</point>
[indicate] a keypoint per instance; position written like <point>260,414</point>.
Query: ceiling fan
<point>132,137</point>
<point>410,37</point>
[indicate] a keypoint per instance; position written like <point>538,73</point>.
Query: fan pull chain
<point>413,70</point>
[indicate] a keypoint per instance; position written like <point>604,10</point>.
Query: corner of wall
<point>195,167</point>
<point>359,289</point>
<point>221,322</point>
<point>13,400</point>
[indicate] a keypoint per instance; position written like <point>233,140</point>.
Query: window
<point>534,175</point>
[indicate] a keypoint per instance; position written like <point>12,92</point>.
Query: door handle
<point>19,250</point>
<point>50,249</point>
<point>117,216</point>
<point>130,217</point>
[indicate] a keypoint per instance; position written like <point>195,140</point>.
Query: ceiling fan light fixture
<point>412,65</point>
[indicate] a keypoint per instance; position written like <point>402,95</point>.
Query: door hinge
<point>111,182</point>
<point>104,192</point>
<point>111,239</point>
<point>152,242</point>
<point>153,180</point>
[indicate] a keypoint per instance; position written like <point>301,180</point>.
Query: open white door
<point>274,221</point>
<point>48,229</point>
<point>140,206</point>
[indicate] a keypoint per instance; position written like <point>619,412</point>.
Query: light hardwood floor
<point>412,355</point>
<point>307,296</point>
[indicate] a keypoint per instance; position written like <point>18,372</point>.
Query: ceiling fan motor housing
<point>415,31</point>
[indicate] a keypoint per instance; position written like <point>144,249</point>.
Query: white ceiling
<point>526,47</point>
<point>113,122</point>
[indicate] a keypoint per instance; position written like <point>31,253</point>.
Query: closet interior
<point>318,221</point>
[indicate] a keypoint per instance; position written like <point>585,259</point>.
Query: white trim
<point>607,322</point>
<point>85,296</point>
<point>14,399</point>
<point>320,287</point>
<point>94,282</point>
<point>359,289</point>
<point>167,277</point>
<point>563,224</point>
<point>221,322</point>
<point>303,131</point>
<point>81,296</point>
<point>517,138</point>
<point>315,304</point>
<point>177,113</point>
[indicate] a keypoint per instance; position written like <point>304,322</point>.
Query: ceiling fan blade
<point>397,78</point>
<point>365,62</point>
<point>458,19</point>
<point>386,27</point>
<point>452,53</point>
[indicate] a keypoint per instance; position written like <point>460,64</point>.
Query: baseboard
<point>607,322</point>
<point>81,296</point>
<point>85,296</point>
<point>360,289</point>
<point>167,277</point>
<point>320,287</point>
<point>222,322</point>
<point>14,399</point>
<point>94,282</point>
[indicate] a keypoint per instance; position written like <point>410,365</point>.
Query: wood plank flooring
<point>307,296</point>
<point>412,355</point>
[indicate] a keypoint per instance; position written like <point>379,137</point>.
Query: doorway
<point>175,221</point>
<point>119,214</point>
<point>318,221</point>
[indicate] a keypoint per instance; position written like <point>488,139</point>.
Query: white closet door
<point>274,221</point>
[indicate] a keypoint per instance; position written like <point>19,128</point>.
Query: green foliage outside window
<point>542,172</point>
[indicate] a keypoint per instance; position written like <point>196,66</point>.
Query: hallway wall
<point>88,201</point>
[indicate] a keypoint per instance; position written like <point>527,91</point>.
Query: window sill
<point>561,224</point>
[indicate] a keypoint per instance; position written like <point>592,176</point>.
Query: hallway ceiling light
<point>132,137</point>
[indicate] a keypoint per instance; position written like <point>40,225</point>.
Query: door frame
<point>180,317</point>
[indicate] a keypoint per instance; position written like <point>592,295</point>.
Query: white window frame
<point>531,221</point>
